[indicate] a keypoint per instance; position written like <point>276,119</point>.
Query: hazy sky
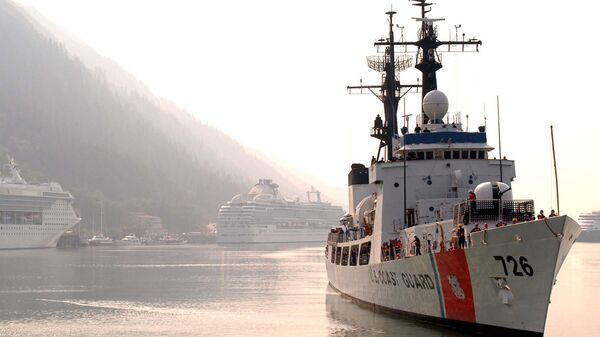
<point>273,74</point>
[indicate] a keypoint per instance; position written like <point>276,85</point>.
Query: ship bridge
<point>445,137</point>
<point>443,145</point>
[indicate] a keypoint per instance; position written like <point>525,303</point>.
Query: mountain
<point>77,118</point>
<point>254,165</point>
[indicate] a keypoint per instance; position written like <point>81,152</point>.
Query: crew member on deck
<point>417,243</point>
<point>378,125</point>
<point>472,196</point>
<point>541,215</point>
<point>461,237</point>
<point>398,248</point>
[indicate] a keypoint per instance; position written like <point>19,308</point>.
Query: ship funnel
<point>435,106</point>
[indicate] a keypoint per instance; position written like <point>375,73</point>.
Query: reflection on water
<point>212,290</point>
<point>575,307</point>
<point>365,322</point>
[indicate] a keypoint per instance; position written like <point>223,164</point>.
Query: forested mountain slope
<point>65,121</point>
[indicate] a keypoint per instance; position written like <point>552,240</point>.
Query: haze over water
<point>211,290</point>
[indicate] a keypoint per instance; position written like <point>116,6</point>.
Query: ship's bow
<point>514,268</point>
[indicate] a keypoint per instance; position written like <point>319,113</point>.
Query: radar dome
<point>493,190</point>
<point>435,106</point>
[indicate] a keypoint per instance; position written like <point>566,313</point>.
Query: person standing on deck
<point>417,243</point>
<point>461,237</point>
<point>541,215</point>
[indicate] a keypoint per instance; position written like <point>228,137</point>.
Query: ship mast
<point>428,61</point>
<point>391,90</point>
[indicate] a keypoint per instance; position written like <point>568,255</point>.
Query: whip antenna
<point>555,170</point>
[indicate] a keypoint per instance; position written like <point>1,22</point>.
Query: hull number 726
<point>526,268</point>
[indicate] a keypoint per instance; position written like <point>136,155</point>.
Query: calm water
<point>260,290</point>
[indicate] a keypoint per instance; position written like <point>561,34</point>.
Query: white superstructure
<point>33,215</point>
<point>435,233</point>
<point>263,215</point>
<point>590,226</point>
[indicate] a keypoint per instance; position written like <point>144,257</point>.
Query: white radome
<point>435,105</point>
<point>486,190</point>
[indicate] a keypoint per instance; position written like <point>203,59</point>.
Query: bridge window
<point>473,154</point>
<point>455,154</point>
<point>429,155</point>
<point>365,252</point>
<point>345,251</point>
<point>420,155</point>
<point>481,154</point>
<point>332,254</point>
<point>353,255</point>
<point>447,154</point>
<point>465,155</point>
<point>338,255</point>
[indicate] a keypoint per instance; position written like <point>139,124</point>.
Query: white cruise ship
<point>590,227</point>
<point>263,215</point>
<point>32,215</point>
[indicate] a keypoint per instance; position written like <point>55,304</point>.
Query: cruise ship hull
<point>502,283</point>
<point>270,234</point>
<point>34,236</point>
<point>32,215</point>
<point>589,236</point>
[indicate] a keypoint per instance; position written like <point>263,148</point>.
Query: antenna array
<point>379,62</point>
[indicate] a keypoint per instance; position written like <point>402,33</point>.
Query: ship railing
<point>451,118</point>
<point>490,210</point>
<point>378,132</point>
<point>340,235</point>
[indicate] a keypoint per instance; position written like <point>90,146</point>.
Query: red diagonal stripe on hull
<point>456,285</point>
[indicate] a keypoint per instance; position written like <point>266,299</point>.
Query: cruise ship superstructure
<point>434,232</point>
<point>32,215</point>
<point>263,215</point>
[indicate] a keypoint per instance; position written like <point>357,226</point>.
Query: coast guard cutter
<point>401,250</point>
